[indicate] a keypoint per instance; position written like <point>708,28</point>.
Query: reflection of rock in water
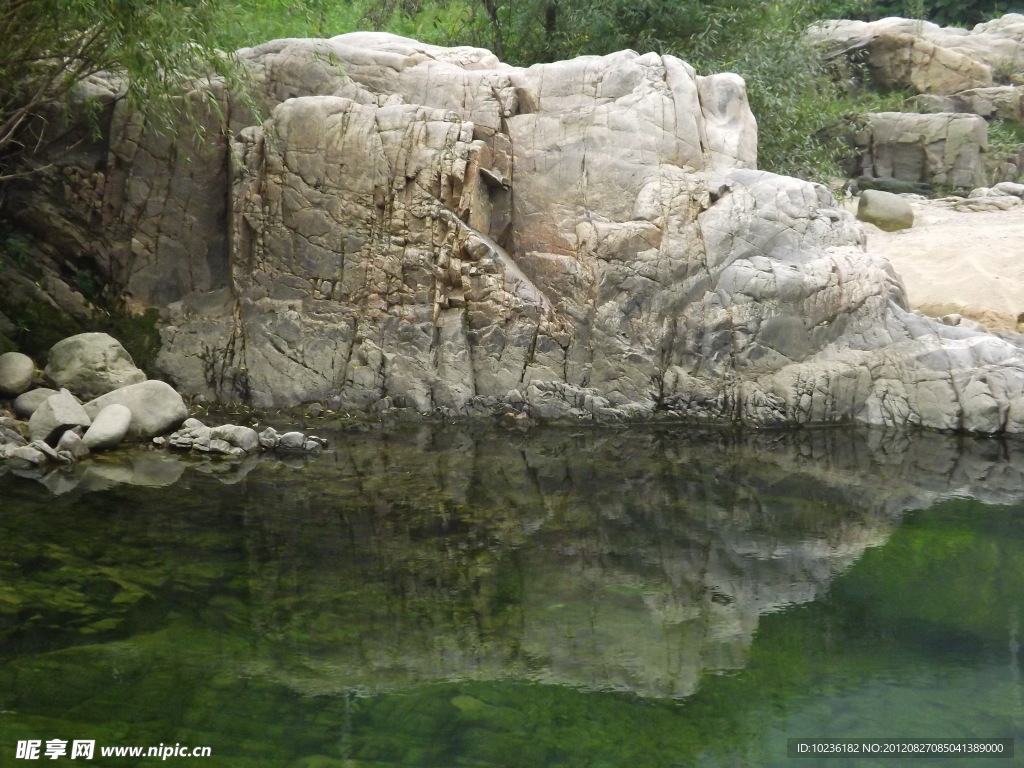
<point>145,467</point>
<point>639,560</point>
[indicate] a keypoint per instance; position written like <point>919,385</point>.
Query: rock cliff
<point>430,228</point>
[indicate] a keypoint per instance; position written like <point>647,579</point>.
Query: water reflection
<point>604,560</point>
<point>644,561</point>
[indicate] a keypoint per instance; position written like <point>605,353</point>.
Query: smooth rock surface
<point>16,372</point>
<point>108,428</point>
<point>56,414</point>
<point>91,364</point>
<point>885,210</point>
<point>26,403</point>
<point>156,407</point>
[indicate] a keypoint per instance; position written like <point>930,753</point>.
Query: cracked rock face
<point>920,55</point>
<point>431,228</point>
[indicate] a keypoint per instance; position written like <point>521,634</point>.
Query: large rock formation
<point>430,228</point>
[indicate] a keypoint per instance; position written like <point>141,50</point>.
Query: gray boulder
<point>942,149</point>
<point>885,210</point>
<point>193,434</point>
<point>156,407</point>
<point>238,436</point>
<point>26,403</point>
<point>1009,188</point>
<point>269,438</point>
<point>10,440</point>
<point>108,428</point>
<point>57,414</point>
<point>16,372</point>
<point>292,441</point>
<point>51,453</point>
<point>225,448</point>
<point>73,445</point>
<point>91,364</point>
<point>30,454</point>
<point>227,440</point>
<point>11,436</point>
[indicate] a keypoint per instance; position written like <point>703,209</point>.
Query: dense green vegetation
<point>53,45</point>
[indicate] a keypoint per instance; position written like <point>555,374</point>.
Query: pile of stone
<point>238,441</point>
<point>102,399</point>
<point>1001,197</point>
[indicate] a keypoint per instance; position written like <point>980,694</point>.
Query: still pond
<point>437,596</point>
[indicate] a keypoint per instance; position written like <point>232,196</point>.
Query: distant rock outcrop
<point>955,71</point>
<point>927,58</point>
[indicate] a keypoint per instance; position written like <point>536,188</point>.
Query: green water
<point>443,597</point>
